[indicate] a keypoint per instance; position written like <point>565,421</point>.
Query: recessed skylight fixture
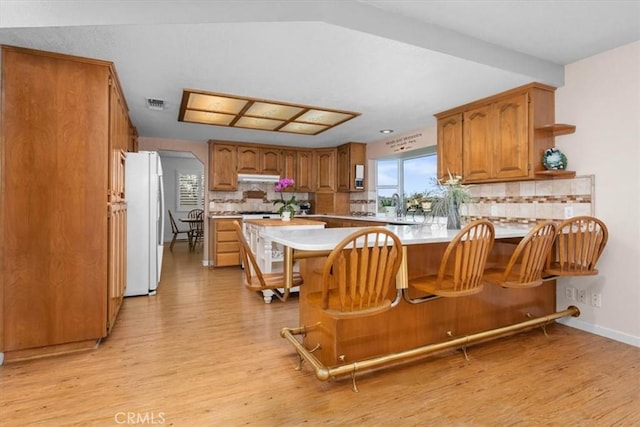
<point>220,109</point>
<point>386,131</point>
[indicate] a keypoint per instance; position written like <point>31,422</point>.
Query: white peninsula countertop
<point>327,239</point>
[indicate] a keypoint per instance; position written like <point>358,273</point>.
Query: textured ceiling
<point>396,62</point>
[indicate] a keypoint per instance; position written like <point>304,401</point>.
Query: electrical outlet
<point>570,293</point>
<point>596,299</point>
<point>494,210</point>
<point>582,296</point>
<point>568,211</point>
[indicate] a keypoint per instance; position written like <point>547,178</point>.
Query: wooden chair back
<point>525,267</point>
<point>359,275</point>
<point>197,228</point>
<point>172,221</point>
<point>463,263</point>
<point>578,245</point>
<point>253,277</point>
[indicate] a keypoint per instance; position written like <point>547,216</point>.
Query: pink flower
<point>283,183</point>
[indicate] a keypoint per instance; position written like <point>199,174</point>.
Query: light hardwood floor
<point>207,352</point>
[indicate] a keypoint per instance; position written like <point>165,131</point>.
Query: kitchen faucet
<point>396,199</point>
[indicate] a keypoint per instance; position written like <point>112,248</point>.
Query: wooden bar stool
<point>578,245</point>
<point>359,276</point>
<point>524,269</point>
<point>254,278</point>
<point>463,263</point>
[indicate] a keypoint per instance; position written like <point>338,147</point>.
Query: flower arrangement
<point>287,205</point>
<point>447,198</point>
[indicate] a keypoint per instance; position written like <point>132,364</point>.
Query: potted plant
<point>447,198</point>
<point>387,205</point>
<point>287,210</point>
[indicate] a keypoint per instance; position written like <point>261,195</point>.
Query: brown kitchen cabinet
<point>223,160</point>
<point>117,260</point>
<point>348,156</point>
<point>248,159</point>
<point>498,137</point>
<point>289,165</point>
<point>63,219</point>
<point>259,160</point>
<point>225,248</point>
<point>305,171</point>
<point>325,165</point>
<point>449,145</point>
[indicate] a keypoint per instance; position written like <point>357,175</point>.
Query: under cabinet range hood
<point>243,177</point>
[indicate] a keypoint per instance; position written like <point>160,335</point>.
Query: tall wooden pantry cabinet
<point>63,134</point>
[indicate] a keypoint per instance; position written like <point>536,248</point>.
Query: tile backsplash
<point>513,202</point>
<point>248,197</point>
<point>504,202</point>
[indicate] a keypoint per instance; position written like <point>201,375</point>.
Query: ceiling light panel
<point>218,104</point>
<point>274,111</point>
<point>234,111</point>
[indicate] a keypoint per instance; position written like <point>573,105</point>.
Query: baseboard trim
<point>601,331</point>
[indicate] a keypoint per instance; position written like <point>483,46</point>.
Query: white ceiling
<point>396,62</point>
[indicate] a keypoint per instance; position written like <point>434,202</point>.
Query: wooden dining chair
<point>254,278</point>
<point>177,231</point>
<point>197,227</point>
<point>578,245</point>
<point>462,266</point>
<point>525,266</point>
<point>359,275</point>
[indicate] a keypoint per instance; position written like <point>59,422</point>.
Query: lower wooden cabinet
<point>225,248</point>
<point>116,260</point>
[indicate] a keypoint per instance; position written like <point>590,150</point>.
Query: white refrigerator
<point>144,194</point>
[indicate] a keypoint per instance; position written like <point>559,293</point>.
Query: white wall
<point>170,168</point>
<point>601,97</point>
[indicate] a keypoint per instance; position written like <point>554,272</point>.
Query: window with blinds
<point>190,190</point>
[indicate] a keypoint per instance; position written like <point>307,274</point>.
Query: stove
<point>256,215</point>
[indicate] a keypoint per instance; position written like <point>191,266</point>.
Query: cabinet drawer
<point>223,260</point>
<point>226,236</point>
<point>225,225</point>
<point>223,247</point>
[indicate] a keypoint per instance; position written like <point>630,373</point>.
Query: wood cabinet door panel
<point>343,168</point>
<point>326,167</point>
<point>510,141</point>
<point>222,167</point>
<point>305,172</point>
<point>450,145</point>
<point>270,161</point>
<point>477,144</point>
<point>248,159</point>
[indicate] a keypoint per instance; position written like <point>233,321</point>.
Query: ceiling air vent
<point>155,104</point>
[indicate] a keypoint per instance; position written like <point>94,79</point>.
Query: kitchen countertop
<point>327,239</point>
<point>382,218</point>
<point>297,221</point>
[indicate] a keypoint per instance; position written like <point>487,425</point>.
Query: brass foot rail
<point>324,373</point>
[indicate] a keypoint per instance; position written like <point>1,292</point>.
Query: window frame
<point>199,202</point>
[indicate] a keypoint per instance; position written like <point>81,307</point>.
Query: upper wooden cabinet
<point>248,159</point>
<point>270,161</point>
<point>449,145</point>
<point>305,171</point>
<point>497,138</point>
<point>325,164</point>
<point>349,155</point>
<point>223,160</point>
<point>266,161</point>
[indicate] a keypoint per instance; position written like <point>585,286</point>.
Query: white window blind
<point>190,190</point>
